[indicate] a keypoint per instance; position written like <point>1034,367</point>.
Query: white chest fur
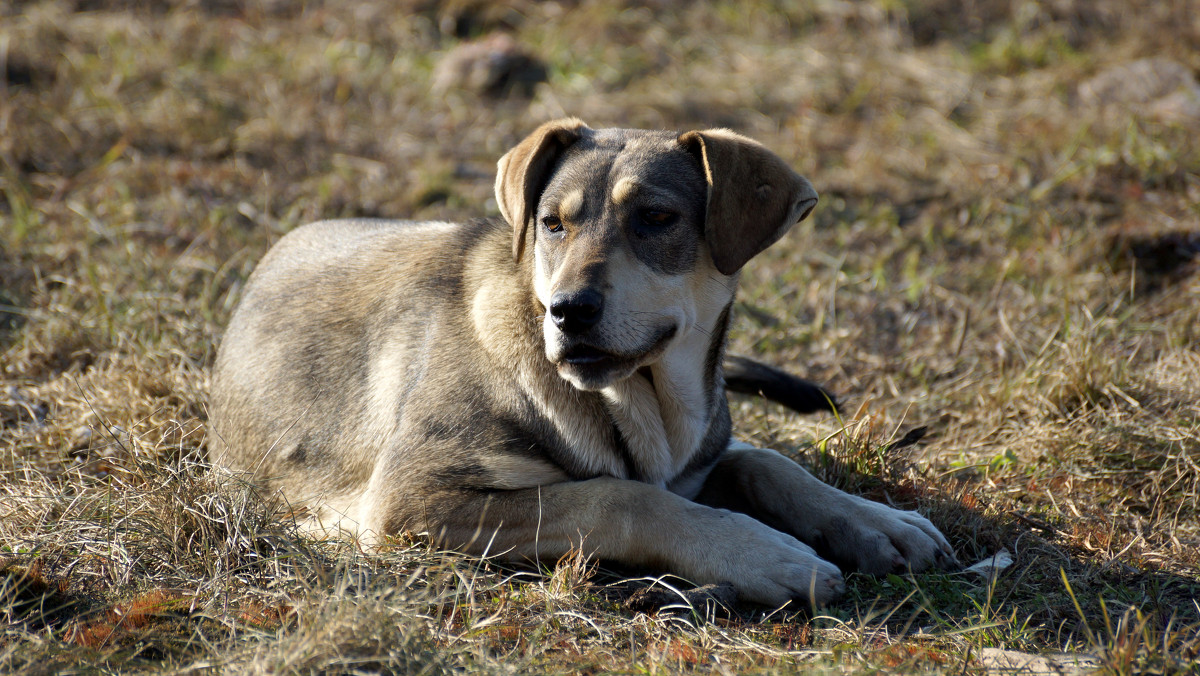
<point>664,422</point>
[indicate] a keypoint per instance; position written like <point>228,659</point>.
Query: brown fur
<point>552,383</point>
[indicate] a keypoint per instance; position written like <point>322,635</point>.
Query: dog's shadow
<point>1025,577</point>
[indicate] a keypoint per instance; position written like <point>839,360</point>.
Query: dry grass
<point>1001,256</point>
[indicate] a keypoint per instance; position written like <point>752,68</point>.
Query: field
<point>1002,282</point>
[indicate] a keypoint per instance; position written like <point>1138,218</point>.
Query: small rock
<point>494,66</point>
<point>998,661</point>
<point>1180,106</point>
<point>1157,87</point>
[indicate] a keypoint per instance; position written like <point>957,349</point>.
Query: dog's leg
<point>854,532</point>
<point>638,524</point>
<point>748,376</point>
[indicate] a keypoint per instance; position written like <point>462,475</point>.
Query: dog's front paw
<point>770,567</point>
<point>877,539</point>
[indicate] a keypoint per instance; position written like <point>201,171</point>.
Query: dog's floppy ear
<point>754,197</point>
<point>523,171</point>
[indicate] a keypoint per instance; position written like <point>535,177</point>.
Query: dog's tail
<point>747,376</point>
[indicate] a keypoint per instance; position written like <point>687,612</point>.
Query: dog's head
<point>639,235</point>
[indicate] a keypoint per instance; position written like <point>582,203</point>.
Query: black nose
<point>576,312</point>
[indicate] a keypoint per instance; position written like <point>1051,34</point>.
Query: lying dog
<point>553,383</point>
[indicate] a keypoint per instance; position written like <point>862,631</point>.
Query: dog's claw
<point>838,586</point>
<point>947,561</point>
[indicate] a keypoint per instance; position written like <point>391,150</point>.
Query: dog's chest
<point>662,423</point>
<point>636,433</point>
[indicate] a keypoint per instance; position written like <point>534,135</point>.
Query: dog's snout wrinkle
<point>578,311</point>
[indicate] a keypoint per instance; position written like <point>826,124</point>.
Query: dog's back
<point>301,398</point>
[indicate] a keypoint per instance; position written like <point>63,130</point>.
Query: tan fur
<point>572,205</point>
<point>624,190</point>
<point>551,383</point>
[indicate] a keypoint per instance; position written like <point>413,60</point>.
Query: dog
<point>552,382</point>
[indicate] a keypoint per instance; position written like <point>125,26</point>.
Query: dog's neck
<point>665,415</point>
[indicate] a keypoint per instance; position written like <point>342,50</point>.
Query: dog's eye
<point>656,218</point>
<point>552,223</point>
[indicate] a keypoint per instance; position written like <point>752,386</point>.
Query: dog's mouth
<point>586,355</point>
<point>590,367</point>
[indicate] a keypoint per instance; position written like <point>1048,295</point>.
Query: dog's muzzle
<point>577,311</point>
<point>591,367</point>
